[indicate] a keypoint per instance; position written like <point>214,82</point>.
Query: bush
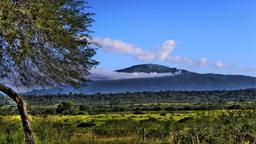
<point>138,112</point>
<point>84,108</point>
<point>183,120</point>
<point>116,128</point>
<point>86,124</point>
<point>65,107</point>
<point>163,114</point>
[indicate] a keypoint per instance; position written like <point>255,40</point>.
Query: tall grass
<point>184,127</point>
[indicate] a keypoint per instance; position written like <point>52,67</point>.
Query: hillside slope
<point>185,80</point>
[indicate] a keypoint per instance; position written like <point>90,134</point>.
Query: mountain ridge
<point>149,68</point>
<point>184,81</point>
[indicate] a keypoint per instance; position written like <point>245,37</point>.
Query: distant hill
<point>184,81</point>
<point>149,68</point>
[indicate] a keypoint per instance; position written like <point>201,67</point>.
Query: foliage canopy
<point>45,42</point>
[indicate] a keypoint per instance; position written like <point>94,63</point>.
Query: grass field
<point>153,127</point>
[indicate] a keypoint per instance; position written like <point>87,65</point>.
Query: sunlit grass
<point>126,127</point>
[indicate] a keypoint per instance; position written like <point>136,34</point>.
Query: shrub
<point>116,128</point>
<point>86,124</point>
<point>183,120</point>
<point>84,108</point>
<point>138,112</point>
<point>163,114</point>
<point>65,107</point>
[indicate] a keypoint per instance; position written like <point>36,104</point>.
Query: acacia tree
<point>43,43</point>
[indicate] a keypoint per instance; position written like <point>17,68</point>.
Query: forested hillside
<point>247,95</point>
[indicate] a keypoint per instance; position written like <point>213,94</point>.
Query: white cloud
<point>219,64</point>
<point>118,46</point>
<point>166,49</point>
<point>163,53</point>
<point>101,74</point>
<point>204,61</point>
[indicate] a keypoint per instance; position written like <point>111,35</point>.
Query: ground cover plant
<point>215,126</point>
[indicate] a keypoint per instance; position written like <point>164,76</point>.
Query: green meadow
<point>210,117</point>
<point>145,127</point>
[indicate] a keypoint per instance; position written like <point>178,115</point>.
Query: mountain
<point>174,79</point>
<point>149,68</point>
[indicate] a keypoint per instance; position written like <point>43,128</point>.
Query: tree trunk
<point>22,111</point>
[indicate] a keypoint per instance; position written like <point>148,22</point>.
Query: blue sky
<point>206,36</point>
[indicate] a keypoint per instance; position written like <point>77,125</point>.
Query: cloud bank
<point>101,74</point>
<point>118,46</point>
<point>163,53</point>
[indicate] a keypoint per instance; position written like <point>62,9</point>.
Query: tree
<point>65,107</point>
<point>43,43</point>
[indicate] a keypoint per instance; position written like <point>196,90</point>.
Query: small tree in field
<point>65,107</point>
<point>43,43</point>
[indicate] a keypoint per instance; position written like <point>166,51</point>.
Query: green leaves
<point>43,41</point>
